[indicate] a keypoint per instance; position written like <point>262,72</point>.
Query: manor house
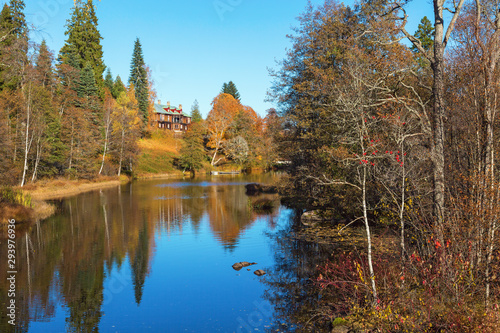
<point>170,118</point>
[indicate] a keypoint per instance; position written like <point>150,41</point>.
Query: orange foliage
<point>224,108</point>
<point>256,119</point>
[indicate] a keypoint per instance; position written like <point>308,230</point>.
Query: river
<point>156,256</point>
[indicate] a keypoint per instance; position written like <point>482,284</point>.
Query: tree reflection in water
<point>290,289</point>
<point>64,261</point>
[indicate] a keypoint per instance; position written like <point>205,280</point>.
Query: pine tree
<point>108,80</point>
<point>139,78</point>
<point>85,38</point>
<point>230,88</point>
<point>195,112</point>
<point>118,87</point>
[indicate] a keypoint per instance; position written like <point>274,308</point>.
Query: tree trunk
<point>105,148</point>
<point>437,150</point>
<point>72,144</point>
<point>37,159</point>
<point>213,158</point>
<point>368,238</point>
<point>121,152</point>
<point>107,125</point>
<point>27,139</point>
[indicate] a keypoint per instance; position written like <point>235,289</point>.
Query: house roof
<point>172,110</point>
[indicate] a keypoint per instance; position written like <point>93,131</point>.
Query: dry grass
<point>59,188</point>
<point>157,155</point>
<point>161,141</point>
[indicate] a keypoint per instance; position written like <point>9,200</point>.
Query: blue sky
<point>192,46</point>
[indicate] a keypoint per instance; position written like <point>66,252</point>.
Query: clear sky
<point>192,46</point>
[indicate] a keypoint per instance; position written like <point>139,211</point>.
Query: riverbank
<point>28,203</point>
<point>61,188</point>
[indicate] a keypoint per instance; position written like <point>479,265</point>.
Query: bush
<point>10,196</point>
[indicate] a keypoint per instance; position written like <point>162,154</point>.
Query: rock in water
<point>259,272</point>
<point>239,265</point>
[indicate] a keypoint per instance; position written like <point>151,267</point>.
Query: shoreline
<point>63,189</point>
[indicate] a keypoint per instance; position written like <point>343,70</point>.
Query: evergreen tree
<point>18,19</point>
<point>195,112</point>
<point>108,80</point>
<point>44,71</point>
<point>13,44</point>
<point>139,78</point>
<point>68,68</point>
<point>88,86</point>
<point>85,38</point>
<point>424,33</point>
<point>118,87</point>
<point>230,88</point>
<point>192,154</point>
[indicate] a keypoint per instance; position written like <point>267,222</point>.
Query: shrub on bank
<point>436,293</point>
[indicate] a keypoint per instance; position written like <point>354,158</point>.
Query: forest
<point>66,116</point>
<point>380,128</point>
<point>397,131</point>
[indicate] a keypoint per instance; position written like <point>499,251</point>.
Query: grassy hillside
<point>157,154</point>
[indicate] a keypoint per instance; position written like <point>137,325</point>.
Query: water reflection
<point>290,290</point>
<point>62,263</point>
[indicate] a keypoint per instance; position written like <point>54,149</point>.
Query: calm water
<point>156,256</point>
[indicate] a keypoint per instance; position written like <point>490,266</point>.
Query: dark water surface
<point>155,256</point>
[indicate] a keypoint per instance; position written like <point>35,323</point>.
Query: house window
<point>177,119</point>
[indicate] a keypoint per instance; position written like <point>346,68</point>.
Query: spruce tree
<point>13,44</point>
<point>108,80</point>
<point>44,71</point>
<point>87,86</point>
<point>85,38</point>
<point>139,78</point>
<point>230,88</point>
<point>68,68</point>
<point>195,112</point>
<point>18,19</point>
<point>118,87</point>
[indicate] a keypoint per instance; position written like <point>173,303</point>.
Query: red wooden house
<point>170,118</point>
